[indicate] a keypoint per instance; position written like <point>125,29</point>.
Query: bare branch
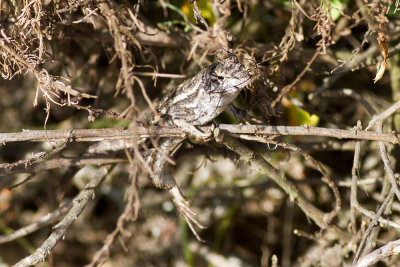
<point>95,135</point>
<point>379,119</point>
<point>390,249</point>
<point>80,202</point>
<point>60,162</point>
<point>372,224</point>
<point>259,163</point>
<point>354,181</point>
<point>44,221</point>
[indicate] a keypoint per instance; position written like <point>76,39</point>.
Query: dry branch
<point>261,165</point>
<point>390,249</point>
<point>44,221</point>
<point>86,135</point>
<point>59,231</point>
<point>58,163</point>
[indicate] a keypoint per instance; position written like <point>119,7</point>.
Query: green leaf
<point>299,116</point>
<point>335,8</point>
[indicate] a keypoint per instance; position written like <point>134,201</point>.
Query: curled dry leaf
<point>384,51</point>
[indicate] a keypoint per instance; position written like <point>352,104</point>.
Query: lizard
<point>196,101</point>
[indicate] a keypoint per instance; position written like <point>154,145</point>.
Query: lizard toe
<point>184,209</point>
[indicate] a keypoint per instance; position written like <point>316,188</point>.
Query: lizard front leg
<point>156,163</point>
<point>192,131</point>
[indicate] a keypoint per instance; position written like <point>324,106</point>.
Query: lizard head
<point>228,75</point>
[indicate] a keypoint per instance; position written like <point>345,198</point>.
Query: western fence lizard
<point>194,102</point>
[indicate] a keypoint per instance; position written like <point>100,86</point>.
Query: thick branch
<point>59,231</point>
<point>261,165</point>
<point>94,135</point>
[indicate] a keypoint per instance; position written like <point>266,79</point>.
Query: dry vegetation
<point>282,193</point>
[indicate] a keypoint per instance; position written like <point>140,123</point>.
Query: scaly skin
<point>194,102</point>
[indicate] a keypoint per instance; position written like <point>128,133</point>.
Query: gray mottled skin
<point>194,102</point>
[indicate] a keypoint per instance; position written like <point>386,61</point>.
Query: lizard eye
<point>220,78</point>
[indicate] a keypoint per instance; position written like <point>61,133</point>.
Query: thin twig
<point>350,93</point>
<point>384,115</point>
<point>354,181</point>
<point>61,162</point>
<point>382,221</point>
<point>388,168</point>
<point>288,88</point>
<point>390,249</point>
<point>372,224</point>
<point>44,221</point>
<point>378,122</point>
<point>325,176</point>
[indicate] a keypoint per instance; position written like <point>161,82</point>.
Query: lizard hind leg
<point>163,180</point>
<point>184,209</point>
<point>181,204</point>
